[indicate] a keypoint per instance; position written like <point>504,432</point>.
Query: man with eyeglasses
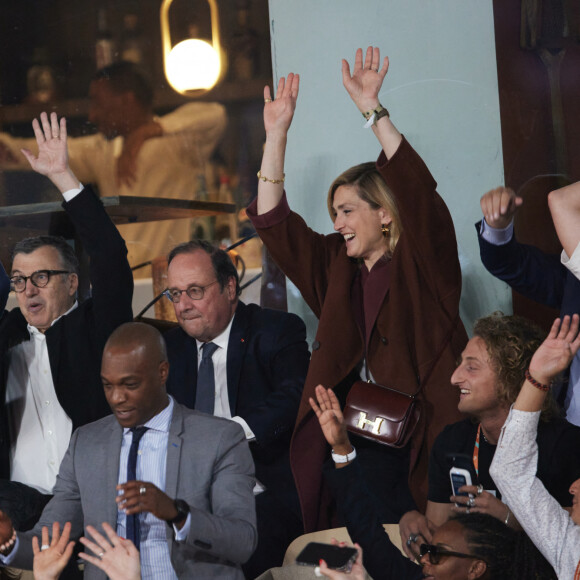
<point>51,345</point>
<point>244,363</point>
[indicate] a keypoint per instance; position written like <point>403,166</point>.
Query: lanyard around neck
<point>476,450</point>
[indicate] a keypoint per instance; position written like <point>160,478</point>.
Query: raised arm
<point>565,208</point>
<point>52,159</point>
<point>278,114</point>
<point>552,357</point>
<point>499,207</point>
<point>364,86</point>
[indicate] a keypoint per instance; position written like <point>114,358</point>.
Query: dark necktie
<point>205,391</point>
<point>133,531</point>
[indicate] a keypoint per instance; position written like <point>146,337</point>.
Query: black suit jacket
<point>534,274</point>
<point>267,361</point>
<point>75,342</point>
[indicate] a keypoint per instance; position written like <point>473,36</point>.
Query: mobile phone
<point>460,477</point>
<point>336,557</point>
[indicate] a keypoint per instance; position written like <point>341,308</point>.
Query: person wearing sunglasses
<point>554,530</point>
<point>467,547</point>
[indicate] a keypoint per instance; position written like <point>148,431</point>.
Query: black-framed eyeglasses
<point>40,279</point>
<point>194,292</point>
<point>437,552</point>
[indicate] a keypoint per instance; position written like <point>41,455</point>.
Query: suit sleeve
<point>229,531</point>
<point>535,275</point>
<point>427,227</point>
<point>110,273</point>
<point>303,255</point>
<point>381,558</point>
<point>286,367</point>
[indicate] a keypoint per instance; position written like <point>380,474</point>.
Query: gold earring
<point>385,230</point>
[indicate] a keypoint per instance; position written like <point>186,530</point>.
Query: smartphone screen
<point>335,557</point>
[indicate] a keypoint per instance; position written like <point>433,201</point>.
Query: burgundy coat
<point>417,323</point>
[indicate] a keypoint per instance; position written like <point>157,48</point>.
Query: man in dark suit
<point>51,346</point>
<point>534,274</point>
<point>253,373</point>
<point>176,482</point>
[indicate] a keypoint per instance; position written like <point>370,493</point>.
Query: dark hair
<point>125,77</point>
<point>67,255</point>
<point>223,266</point>
<point>511,341</point>
<point>509,555</point>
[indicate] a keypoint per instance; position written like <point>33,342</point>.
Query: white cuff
<point>181,535</point>
<point>247,431</point>
<point>572,262</point>
<point>6,560</point>
<point>343,458</point>
<point>496,236</point>
<point>72,193</point>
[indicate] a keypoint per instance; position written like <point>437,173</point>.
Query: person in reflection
<point>175,482</point>
<point>138,153</point>
<point>253,373</point>
<point>51,346</point>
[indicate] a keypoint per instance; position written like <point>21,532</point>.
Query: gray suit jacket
<point>209,465</point>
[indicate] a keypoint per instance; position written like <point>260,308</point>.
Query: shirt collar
<point>222,339</point>
<point>33,330</point>
<point>161,421</point>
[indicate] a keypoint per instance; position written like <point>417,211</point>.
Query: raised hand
<point>117,557</point>
<point>557,351</point>
<point>278,112</point>
<point>52,151</point>
<point>366,80</point>
<point>51,559</point>
<point>499,206</point>
<point>327,409</point>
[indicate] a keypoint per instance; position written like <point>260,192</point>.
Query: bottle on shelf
<point>131,48</point>
<point>226,225</point>
<point>104,43</point>
<point>244,45</point>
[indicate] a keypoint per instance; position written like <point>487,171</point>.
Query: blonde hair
<point>370,187</point>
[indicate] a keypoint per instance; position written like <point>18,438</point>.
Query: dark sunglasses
<point>436,553</point>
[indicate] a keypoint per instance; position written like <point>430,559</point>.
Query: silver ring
<point>44,547</point>
<point>467,509</point>
<point>479,489</point>
<point>142,490</point>
<point>471,502</point>
<point>412,539</point>
<point>100,554</point>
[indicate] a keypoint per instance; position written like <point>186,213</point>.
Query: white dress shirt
<point>40,429</point>
<point>220,360</point>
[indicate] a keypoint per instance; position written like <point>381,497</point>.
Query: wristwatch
<point>182,508</point>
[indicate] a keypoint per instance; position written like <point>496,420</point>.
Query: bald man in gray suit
<point>192,493</point>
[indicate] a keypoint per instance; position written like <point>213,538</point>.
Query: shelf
<point>226,92</point>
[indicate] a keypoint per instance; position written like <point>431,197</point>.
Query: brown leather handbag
<point>380,413</point>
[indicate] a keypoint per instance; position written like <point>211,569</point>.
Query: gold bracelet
<point>264,178</point>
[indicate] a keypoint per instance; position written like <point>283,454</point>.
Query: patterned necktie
<point>205,392</point>
<point>133,531</point>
